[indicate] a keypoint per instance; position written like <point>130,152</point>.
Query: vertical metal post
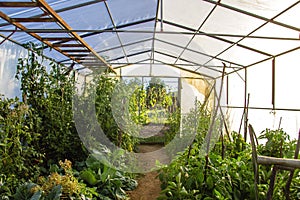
<point>246,117</point>
<point>227,89</point>
<point>245,107</point>
<point>218,99</point>
<point>161,16</point>
<point>273,83</point>
<point>180,101</point>
<point>179,91</point>
<point>245,100</point>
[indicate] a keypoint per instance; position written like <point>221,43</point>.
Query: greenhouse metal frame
<point>217,40</point>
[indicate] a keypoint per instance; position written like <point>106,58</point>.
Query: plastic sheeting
<point>146,37</point>
<point>9,54</point>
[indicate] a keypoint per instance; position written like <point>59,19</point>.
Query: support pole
<point>245,100</point>
<point>246,117</point>
<point>254,160</point>
<point>289,181</point>
<point>273,83</point>
<point>210,131</point>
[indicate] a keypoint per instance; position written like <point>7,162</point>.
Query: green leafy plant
<point>277,143</point>
<point>110,183</point>
<point>228,176</point>
<point>20,159</point>
<point>56,186</point>
<point>105,87</point>
<point>137,105</point>
<point>156,94</point>
<point>173,124</point>
<point>47,88</point>
<point>218,178</point>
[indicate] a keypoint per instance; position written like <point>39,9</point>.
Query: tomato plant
<point>48,91</point>
<point>20,159</point>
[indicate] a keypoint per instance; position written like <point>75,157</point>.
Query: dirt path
<point>148,187</point>
<point>148,184</point>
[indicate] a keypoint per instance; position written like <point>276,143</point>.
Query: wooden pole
<point>285,162</point>
<point>289,181</point>
<point>254,160</point>
<point>272,183</point>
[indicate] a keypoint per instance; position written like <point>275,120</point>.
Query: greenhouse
<point>152,99</point>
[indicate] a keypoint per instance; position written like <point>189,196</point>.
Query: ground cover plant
<point>94,181</point>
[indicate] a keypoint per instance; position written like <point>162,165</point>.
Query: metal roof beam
<point>119,27</point>
<point>28,4</point>
<point>218,38</point>
<point>68,45</point>
<point>266,22</point>
<point>154,31</point>
<point>115,27</point>
<point>65,39</point>
<point>111,29</point>
<point>78,6</point>
<point>194,35</point>
<point>36,36</point>
<point>147,31</point>
<point>79,54</point>
<point>33,20</point>
<point>130,55</point>
<point>258,16</point>
<point>262,108</point>
<point>75,50</point>
<point>264,60</point>
<point>169,64</point>
<point>124,45</point>
<point>201,53</point>
<point>136,63</point>
<point>18,4</point>
<point>184,69</point>
<point>196,64</point>
<point>178,64</point>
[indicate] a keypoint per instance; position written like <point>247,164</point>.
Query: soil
<point>148,183</point>
<point>148,187</point>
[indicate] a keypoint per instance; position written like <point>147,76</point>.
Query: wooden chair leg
<point>272,183</point>
<point>254,160</point>
<point>288,183</point>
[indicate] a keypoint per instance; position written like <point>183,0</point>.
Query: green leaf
<point>208,198</point>
<point>210,182</point>
<point>88,176</point>
<point>24,191</point>
<point>37,195</point>
<point>218,194</point>
<point>55,193</point>
<point>178,177</point>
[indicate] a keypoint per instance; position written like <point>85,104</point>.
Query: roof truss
<point>75,47</point>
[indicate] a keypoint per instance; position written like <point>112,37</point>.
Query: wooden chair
<point>278,164</point>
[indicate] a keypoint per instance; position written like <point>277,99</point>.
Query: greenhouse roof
<point>198,36</point>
